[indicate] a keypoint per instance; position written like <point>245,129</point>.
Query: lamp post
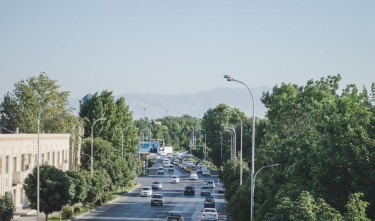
<point>204,148</point>
<point>233,133</point>
<point>221,144</point>
<point>122,141</point>
<point>241,167</point>
<point>92,145</point>
<point>253,184</point>
<point>38,170</point>
<point>229,78</point>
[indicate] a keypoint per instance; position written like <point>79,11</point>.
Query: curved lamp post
<point>204,148</point>
<point>241,166</point>
<point>221,145</point>
<point>229,78</point>
<point>253,184</point>
<point>92,145</point>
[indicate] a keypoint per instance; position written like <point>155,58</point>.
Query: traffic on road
<point>171,194</point>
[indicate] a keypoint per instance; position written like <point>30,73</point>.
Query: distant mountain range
<point>155,106</point>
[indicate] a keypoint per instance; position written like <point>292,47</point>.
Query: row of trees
<point>40,98</point>
<point>324,142</point>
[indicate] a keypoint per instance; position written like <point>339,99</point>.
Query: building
<point>18,157</point>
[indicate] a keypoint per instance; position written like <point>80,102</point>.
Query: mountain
<point>155,106</point>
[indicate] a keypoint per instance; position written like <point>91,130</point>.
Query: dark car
<point>157,199</point>
<point>189,190</point>
<point>175,216</point>
<point>209,202</point>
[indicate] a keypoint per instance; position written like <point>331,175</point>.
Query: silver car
<point>157,185</point>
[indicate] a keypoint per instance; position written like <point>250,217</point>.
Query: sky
<point>176,46</point>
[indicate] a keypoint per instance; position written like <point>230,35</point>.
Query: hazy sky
<point>177,46</point>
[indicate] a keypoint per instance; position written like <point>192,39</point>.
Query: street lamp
<point>234,134</point>
<point>221,145</point>
<point>38,170</point>
<point>122,141</point>
<point>92,145</point>
<point>255,176</point>
<point>229,78</point>
<point>204,150</point>
<point>241,167</point>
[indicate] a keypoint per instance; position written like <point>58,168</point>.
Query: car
<point>189,190</point>
<point>157,199</point>
<point>209,202</point>
<point>205,190</point>
<point>220,188</point>
<point>209,214</point>
<point>175,216</point>
<point>157,185</point>
<point>170,168</point>
<point>175,179</point>
<point>206,172</point>
<point>146,191</point>
<point>161,171</point>
<point>211,184</point>
<point>175,162</point>
<point>193,176</point>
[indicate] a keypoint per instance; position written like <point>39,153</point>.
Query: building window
<point>58,157</point>
<point>63,156</point>
<point>6,164</point>
<point>53,158</point>
<point>14,164</point>
<point>23,158</point>
<point>1,165</point>
<point>43,158</point>
<point>35,159</point>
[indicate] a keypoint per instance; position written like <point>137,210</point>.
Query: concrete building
<point>18,157</point>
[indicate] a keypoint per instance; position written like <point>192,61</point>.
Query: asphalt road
<point>135,208</point>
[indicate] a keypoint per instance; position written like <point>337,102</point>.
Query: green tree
<point>54,189</point>
<point>6,208</point>
<point>100,184</point>
<point>322,139</point>
<point>78,187</point>
<point>356,208</point>
<point>118,121</point>
<point>20,108</point>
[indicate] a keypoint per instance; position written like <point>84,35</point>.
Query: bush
<point>67,212</point>
<point>6,208</point>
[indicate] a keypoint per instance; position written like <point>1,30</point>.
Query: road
<point>135,208</point>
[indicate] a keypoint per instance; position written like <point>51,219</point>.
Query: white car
<point>206,173</point>
<point>209,214</point>
<point>211,184</point>
<point>193,176</point>
<point>175,179</point>
<point>146,191</point>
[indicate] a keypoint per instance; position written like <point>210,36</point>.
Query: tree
<point>20,108</point>
<point>78,187</point>
<point>118,121</point>
<point>322,139</point>
<point>54,189</point>
<point>6,208</point>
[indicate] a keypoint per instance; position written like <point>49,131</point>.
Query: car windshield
<point>146,188</point>
<point>205,187</point>
<point>157,196</point>
<point>156,182</point>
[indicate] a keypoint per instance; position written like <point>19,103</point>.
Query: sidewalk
<point>28,214</point>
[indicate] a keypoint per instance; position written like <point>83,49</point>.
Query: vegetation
<point>6,208</point>
<point>324,142</point>
<point>322,138</point>
<point>54,189</point>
